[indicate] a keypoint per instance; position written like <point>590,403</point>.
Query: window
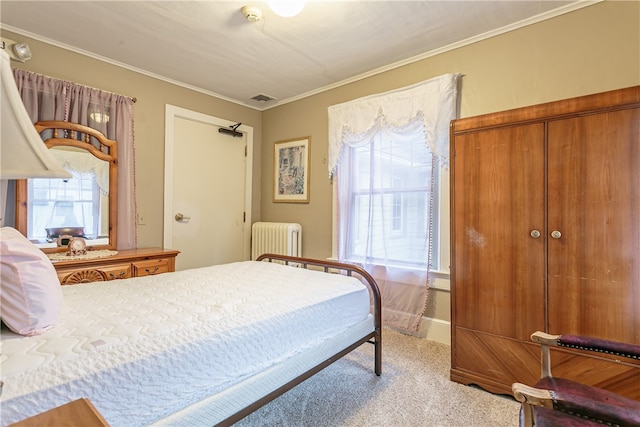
<point>74,202</point>
<point>388,200</point>
<point>386,152</point>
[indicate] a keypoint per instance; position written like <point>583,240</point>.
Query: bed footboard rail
<point>349,270</point>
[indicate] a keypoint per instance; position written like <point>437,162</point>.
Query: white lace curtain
<point>422,113</point>
<point>85,166</point>
<point>47,98</point>
<point>435,99</point>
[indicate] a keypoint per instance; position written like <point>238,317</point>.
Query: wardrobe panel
<point>594,200</point>
<point>498,202</point>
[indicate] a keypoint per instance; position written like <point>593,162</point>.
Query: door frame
<point>173,112</point>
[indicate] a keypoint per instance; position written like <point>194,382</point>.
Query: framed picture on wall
<point>291,171</point>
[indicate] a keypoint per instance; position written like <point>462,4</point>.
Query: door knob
<point>180,217</point>
<point>556,234</point>
<point>535,234</point>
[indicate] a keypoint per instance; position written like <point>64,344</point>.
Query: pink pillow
<point>30,293</point>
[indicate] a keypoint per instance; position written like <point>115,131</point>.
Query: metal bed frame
<point>375,337</point>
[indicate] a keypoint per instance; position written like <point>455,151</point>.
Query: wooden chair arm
<point>631,351</point>
<point>531,395</point>
<point>543,338</point>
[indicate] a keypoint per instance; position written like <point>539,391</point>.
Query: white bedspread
<point>141,349</point>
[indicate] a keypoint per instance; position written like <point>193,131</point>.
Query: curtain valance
<point>434,100</point>
<point>83,164</point>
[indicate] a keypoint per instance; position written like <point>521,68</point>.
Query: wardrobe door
<point>498,206</point>
<point>594,225</point>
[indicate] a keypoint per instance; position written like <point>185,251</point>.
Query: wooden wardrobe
<point>545,216</point>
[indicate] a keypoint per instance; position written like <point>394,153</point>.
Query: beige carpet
<point>414,390</point>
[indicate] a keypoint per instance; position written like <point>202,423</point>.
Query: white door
<point>207,189</point>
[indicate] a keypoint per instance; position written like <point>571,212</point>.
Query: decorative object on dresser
<point>63,240</point>
<point>121,265</point>
<point>76,247</point>
<point>545,214</point>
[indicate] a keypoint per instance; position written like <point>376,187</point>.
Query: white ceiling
<point>210,46</point>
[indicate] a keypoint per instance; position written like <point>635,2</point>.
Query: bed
<point>205,346</point>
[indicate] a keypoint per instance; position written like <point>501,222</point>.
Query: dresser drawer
<point>73,277</point>
<point>94,274</point>
<point>118,271</point>
<point>150,267</point>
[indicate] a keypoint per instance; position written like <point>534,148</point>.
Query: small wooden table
<point>79,413</point>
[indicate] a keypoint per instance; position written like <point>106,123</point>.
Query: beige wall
<point>591,50</point>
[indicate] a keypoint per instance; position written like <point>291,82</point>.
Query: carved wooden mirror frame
<point>83,137</point>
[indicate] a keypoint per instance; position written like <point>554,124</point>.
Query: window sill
<point>441,278</point>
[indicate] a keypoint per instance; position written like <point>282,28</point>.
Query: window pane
<point>389,200</point>
<point>63,203</point>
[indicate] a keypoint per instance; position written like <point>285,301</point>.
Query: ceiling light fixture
<point>252,13</point>
<point>286,8</point>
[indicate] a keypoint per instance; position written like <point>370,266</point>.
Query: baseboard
<point>435,330</point>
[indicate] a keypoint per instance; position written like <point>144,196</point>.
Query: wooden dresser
<point>126,263</point>
<point>545,215</point>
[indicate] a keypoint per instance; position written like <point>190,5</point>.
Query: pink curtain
<point>46,98</point>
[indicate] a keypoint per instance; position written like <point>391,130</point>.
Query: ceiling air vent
<point>263,98</point>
